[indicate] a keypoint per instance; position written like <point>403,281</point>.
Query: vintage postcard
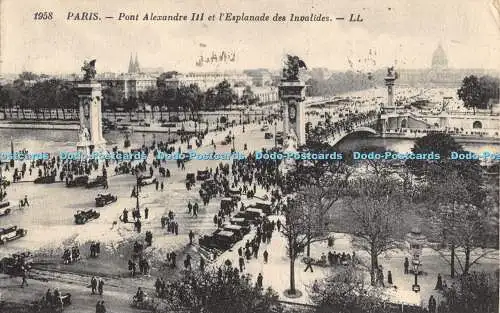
<point>249,156</point>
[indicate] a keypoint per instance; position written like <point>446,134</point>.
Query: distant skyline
<point>404,33</point>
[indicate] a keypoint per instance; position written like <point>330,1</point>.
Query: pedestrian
<point>389,277</point>
<point>241,262</point>
<point>265,256</point>
<point>161,186</point>
<point>406,265</point>
<point>93,284</point>
<point>432,304</point>
<point>439,283</point>
<point>202,264</point>
<point>158,286</point>
<point>100,287</point>
<point>259,281</point>
<point>191,237</point>
<point>157,184</point>
<point>98,307</point>
<point>190,207</point>
<point>24,276</point>
<point>309,265</point>
<point>146,213</point>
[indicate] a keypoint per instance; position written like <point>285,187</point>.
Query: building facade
<point>209,79</point>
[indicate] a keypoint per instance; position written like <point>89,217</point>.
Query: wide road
<point>50,225</point>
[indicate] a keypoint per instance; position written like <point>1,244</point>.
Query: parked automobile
<point>11,233</point>
<point>240,221</point>
<point>78,181</point>
<point>5,208</point>
<point>265,128</point>
<point>202,175</point>
<point>97,182</point>
<point>13,265</point>
<point>236,229</point>
<point>226,204</point>
<point>82,217</point>
<point>190,178</point>
<point>147,181</point>
<point>103,199</point>
<point>268,136</point>
<point>222,240</point>
<point>45,180</point>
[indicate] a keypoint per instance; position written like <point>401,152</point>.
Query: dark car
<point>239,231</point>
<point>209,185</point>
<point>202,175</point>
<point>240,221</point>
<point>97,182</point>
<point>11,233</point>
<point>78,181</point>
<point>13,265</point>
<point>226,204</point>
<point>82,217</point>
<point>102,200</point>
<point>222,240</point>
<point>268,136</point>
<point>190,178</point>
<point>45,180</point>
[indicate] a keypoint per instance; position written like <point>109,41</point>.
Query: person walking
<point>146,213</point>
<point>93,284</point>
<point>309,265</point>
<point>191,237</point>
<point>439,283</point>
<point>432,304</point>
<point>100,287</point>
<point>161,186</point>
<point>389,277</point>
<point>266,255</point>
<point>406,265</point>
<point>259,281</point>
<point>24,276</point>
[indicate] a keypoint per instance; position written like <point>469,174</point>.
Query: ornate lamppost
<point>416,241</point>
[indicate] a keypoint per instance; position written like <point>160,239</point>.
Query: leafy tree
<point>477,292</point>
<point>470,93</point>
<point>28,76</point>
<point>221,290</point>
<point>346,291</point>
<point>225,94</point>
<point>375,215</point>
<point>489,89</point>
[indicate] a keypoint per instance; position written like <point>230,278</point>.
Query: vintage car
<point>147,181</point>
<point>233,191</point>
<point>222,240</point>
<point>264,206</point>
<point>190,178</point>
<point>78,181</point>
<point>226,204</point>
<point>240,221</point>
<point>268,136</point>
<point>82,217</point>
<point>265,128</point>
<point>239,231</point>
<point>252,215</point>
<point>103,199</point>
<point>45,180</point>
<point>97,182</point>
<point>202,175</point>
<point>11,233</point>
<point>5,208</point>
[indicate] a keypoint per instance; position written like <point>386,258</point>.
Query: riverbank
<point>458,138</point>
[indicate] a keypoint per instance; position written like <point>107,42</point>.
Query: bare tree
<point>375,214</point>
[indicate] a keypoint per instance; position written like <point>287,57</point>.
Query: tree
<point>28,76</point>
<point>295,231</point>
<point>470,93</point>
<point>490,88</point>
<point>458,224</point>
<point>375,215</point>
<point>346,291</point>
<point>476,293</point>
<point>225,95</point>
<point>221,290</point>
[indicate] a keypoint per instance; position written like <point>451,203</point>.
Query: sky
<point>393,32</point>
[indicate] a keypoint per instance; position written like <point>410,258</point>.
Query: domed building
<point>439,59</point>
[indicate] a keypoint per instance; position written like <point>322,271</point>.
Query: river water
<point>56,140</point>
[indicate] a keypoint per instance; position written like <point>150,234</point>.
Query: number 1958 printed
<point>43,15</point>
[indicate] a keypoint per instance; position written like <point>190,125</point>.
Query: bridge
<point>363,126</point>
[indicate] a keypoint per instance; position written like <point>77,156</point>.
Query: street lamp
<point>137,190</point>
<point>143,139</point>
<point>416,265</point>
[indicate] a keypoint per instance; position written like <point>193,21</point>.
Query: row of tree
<point>61,95</point>
<point>476,92</point>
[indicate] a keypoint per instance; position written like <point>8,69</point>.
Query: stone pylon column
<point>90,96</point>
